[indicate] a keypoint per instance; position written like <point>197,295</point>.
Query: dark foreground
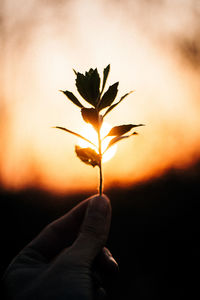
<point>154,233</point>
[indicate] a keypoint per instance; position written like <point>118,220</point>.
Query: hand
<point>62,261</point>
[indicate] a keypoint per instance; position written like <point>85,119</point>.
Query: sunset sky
<point>151,50</point>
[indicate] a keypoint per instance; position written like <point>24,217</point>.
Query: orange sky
<point>145,54</point>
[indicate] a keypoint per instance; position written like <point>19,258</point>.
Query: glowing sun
<point>89,132</point>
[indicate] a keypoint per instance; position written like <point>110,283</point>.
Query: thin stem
<point>100,179</point>
<point>100,165</point>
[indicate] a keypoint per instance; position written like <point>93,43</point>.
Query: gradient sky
<point>151,50</point>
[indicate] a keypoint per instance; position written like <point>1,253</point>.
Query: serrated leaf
<point>73,98</point>
<point>82,86</point>
<point>113,106</point>
<point>88,86</point>
<point>122,129</point>
<point>117,139</point>
<point>88,156</point>
<point>76,134</point>
<point>94,83</point>
<point>109,96</point>
<point>89,72</point>
<point>91,116</point>
<point>105,76</point>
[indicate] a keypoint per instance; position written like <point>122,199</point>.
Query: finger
<point>106,263</point>
<point>98,286</point>
<point>94,230</point>
<point>101,294</point>
<point>61,233</point>
<point>105,269</point>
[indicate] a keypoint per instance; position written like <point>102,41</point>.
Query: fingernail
<point>115,264</point>
<point>111,258</point>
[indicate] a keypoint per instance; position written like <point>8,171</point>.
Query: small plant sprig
<point>88,86</point>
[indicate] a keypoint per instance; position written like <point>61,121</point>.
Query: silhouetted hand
<point>68,258</point>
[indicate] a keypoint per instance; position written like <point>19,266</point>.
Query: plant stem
<point>100,165</point>
<point>100,179</point>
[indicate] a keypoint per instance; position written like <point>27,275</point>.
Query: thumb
<point>95,228</point>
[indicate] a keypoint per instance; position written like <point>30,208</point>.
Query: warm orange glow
<point>89,132</point>
<point>147,54</point>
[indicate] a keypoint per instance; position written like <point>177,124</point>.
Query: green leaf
<point>73,98</point>
<point>113,106</point>
<point>91,116</point>
<point>122,129</point>
<point>88,86</point>
<point>117,139</point>
<point>105,76</point>
<point>76,134</point>
<point>109,96</point>
<point>88,156</point>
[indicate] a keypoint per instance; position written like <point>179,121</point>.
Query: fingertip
<point>100,203</point>
<point>99,196</point>
<point>111,262</point>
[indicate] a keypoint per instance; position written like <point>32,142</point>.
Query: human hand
<point>61,262</point>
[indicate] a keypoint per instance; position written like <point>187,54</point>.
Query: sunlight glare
<point>89,132</point>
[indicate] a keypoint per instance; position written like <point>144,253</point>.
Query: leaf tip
<point>107,68</point>
<point>75,72</point>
